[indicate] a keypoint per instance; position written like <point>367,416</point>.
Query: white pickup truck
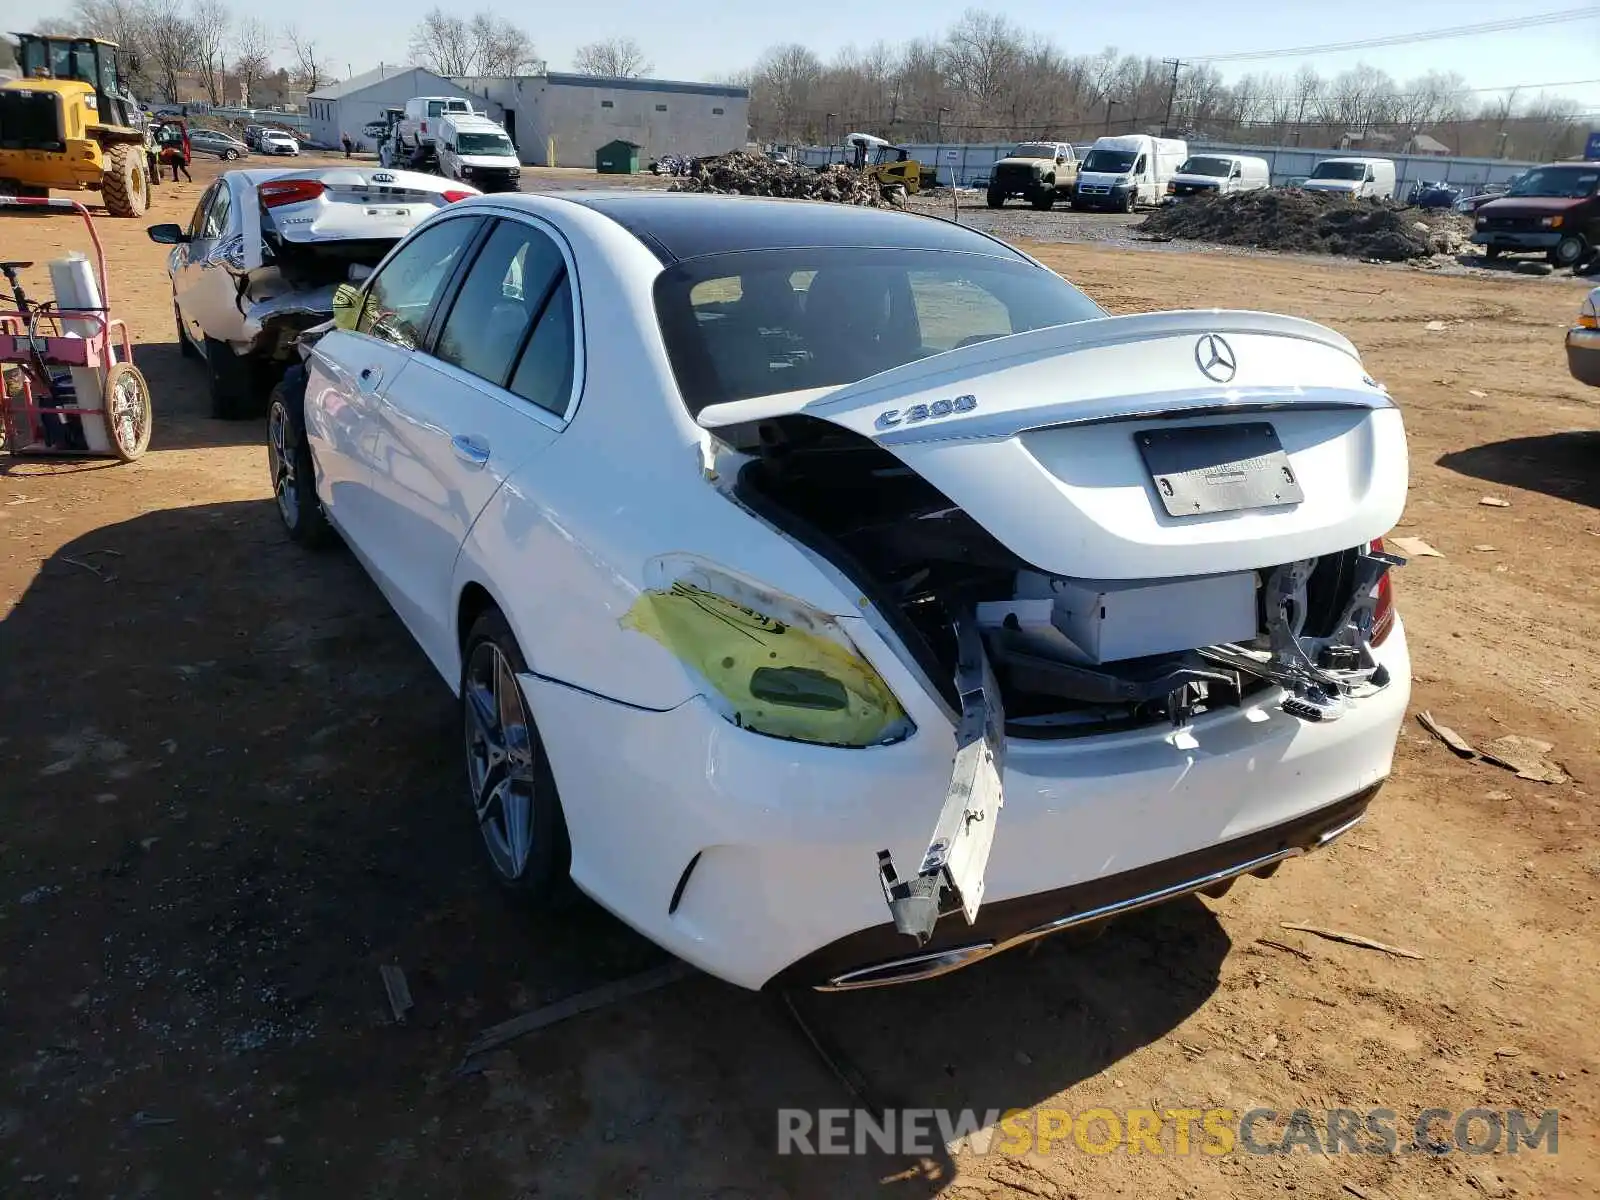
<point>420,122</point>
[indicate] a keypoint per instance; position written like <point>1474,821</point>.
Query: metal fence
<point>970,164</point>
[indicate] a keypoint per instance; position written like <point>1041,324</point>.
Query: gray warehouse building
<point>562,120</point>
<point>346,106</point>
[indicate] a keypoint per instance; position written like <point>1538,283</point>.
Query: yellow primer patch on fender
<point>774,677</point>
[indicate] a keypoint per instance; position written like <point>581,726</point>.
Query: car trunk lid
<point>1158,445</point>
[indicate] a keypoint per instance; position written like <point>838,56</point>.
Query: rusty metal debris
<point>743,174</point>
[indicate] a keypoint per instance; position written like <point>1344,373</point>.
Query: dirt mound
<point>1312,223</point>
<point>745,174</point>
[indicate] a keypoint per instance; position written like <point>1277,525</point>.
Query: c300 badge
<point>917,413</point>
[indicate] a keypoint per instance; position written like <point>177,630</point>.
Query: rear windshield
<point>759,322</point>
<point>1205,165</point>
<point>1112,162</point>
<point>1571,183</point>
<point>435,108</point>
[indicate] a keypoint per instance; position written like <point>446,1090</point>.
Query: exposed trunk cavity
<point>929,567</point>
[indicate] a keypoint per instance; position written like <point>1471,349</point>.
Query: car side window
<point>197,221</point>
<point>503,293</point>
<point>1138,167</point>
<point>217,218</point>
<point>544,372</point>
<point>401,296</point>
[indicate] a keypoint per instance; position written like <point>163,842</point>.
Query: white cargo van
<point>1122,172</point>
<point>420,122</point>
<point>1353,177</point>
<point>476,150</point>
<point>1219,175</point>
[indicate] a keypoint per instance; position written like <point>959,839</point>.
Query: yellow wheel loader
<point>892,166</point>
<point>67,124</point>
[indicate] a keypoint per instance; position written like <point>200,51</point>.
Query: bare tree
<point>456,46</point>
<point>172,43</point>
<point>212,26</point>
<point>309,66</point>
<point>501,48</point>
<point>615,58</point>
<point>252,56</point>
<point>787,77</point>
<point>442,42</point>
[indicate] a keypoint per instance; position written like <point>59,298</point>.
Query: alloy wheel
<point>500,767</point>
<point>280,462</point>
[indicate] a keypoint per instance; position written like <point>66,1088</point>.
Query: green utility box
<point>617,158</point>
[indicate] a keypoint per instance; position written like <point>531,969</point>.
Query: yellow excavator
<point>892,166</point>
<point>68,124</point>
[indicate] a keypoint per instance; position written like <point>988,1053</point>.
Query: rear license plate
<point>1218,468</point>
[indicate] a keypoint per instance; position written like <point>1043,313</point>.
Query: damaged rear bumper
<point>756,859</point>
<point>1012,923</point>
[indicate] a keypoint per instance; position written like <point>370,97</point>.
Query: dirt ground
<point>231,793</point>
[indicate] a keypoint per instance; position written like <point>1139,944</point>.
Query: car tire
<point>996,199</point>
<point>1044,199</point>
<point>1128,202</point>
<point>1491,252</point>
<point>1567,251</point>
<point>229,154</point>
<point>185,347</point>
<point>289,465</point>
<point>509,782</point>
<point>232,382</point>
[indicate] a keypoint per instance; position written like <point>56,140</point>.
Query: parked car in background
<point>773,546</point>
<point>1219,175</point>
<point>212,141</point>
<point>1426,194</point>
<point>276,141</point>
<point>1554,210</point>
<point>1358,178</point>
<point>265,250</point>
<point>1583,342</point>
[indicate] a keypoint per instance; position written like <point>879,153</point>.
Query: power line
<point>1521,87</point>
<point>1504,25</point>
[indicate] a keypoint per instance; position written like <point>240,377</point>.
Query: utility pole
<point>1172,93</point>
<point>1110,104</point>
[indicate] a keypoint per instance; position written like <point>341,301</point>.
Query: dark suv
<point>1554,209</point>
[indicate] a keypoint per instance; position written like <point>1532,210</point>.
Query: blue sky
<point>696,39</point>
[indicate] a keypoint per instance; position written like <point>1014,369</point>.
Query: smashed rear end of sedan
<point>1126,573</point>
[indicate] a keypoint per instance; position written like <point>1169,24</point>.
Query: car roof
<point>683,225</point>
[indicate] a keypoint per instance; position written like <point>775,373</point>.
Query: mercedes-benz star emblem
<point>1214,357</point>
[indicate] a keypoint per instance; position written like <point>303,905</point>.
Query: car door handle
<point>470,450</point>
<point>369,378</point>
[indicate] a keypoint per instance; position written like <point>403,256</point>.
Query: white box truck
<point>1123,172</point>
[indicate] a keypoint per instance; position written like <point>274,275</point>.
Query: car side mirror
<point>346,305</point>
<point>168,235</point>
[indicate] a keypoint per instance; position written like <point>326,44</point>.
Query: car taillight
<point>452,197</point>
<point>1383,610</point>
<point>278,192</point>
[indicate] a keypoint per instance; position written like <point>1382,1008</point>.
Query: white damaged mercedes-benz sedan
<point>839,596</point>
